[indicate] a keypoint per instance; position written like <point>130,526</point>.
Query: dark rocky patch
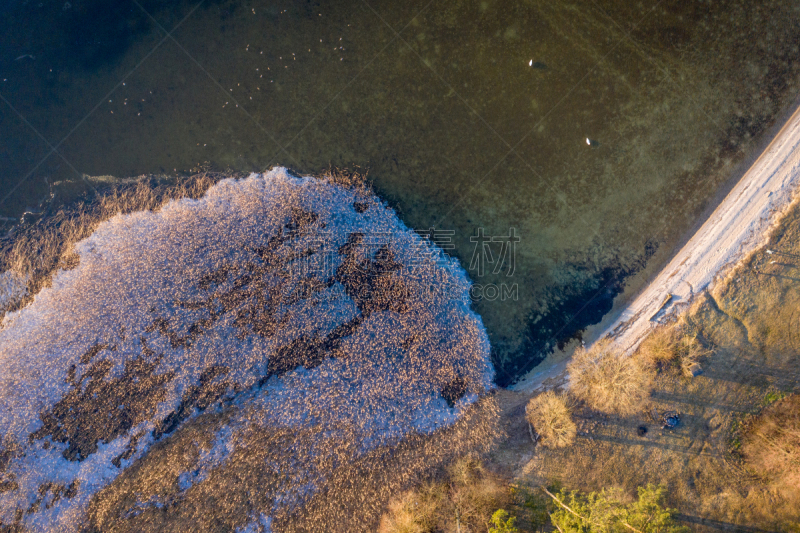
<point>128,453</point>
<point>300,220</point>
<point>92,352</point>
<point>309,352</point>
<point>7,479</point>
<point>409,342</point>
<point>670,419</point>
<point>373,286</point>
<point>208,390</point>
<point>454,390</point>
<point>215,277</point>
<point>194,330</point>
<point>51,493</point>
<point>99,408</point>
<point>372,283</point>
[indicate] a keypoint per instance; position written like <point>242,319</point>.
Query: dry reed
<point>36,252</point>
<point>462,499</point>
<point>670,346</point>
<point>608,381</point>
<point>332,475</point>
<point>551,416</point>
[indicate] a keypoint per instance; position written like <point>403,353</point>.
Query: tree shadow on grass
<point>703,402</point>
<point>717,524</point>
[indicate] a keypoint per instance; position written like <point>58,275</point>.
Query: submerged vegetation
<point>36,252</point>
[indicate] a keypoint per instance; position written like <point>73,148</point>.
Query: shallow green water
<point>472,117</point>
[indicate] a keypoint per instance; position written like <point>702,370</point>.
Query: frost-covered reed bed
<point>300,308</point>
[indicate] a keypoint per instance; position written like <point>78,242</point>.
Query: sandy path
<point>736,227</point>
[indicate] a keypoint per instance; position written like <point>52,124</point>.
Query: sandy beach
<point>736,228</point>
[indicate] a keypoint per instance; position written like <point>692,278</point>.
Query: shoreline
<point>737,227</point>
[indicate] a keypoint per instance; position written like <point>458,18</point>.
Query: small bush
<point>667,346</point>
<point>464,497</point>
<point>473,494</point>
<point>690,351</point>
<point>609,381</point>
<point>411,512</point>
<point>659,349</point>
<point>550,415</point>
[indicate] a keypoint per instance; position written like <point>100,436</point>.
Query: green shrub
<point>607,512</point>
<point>502,523</point>
<point>531,507</point>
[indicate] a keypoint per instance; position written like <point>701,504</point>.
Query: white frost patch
<point>261,524</point>
<point>359,325</point>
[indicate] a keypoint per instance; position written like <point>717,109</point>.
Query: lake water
<point>559,150</point>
